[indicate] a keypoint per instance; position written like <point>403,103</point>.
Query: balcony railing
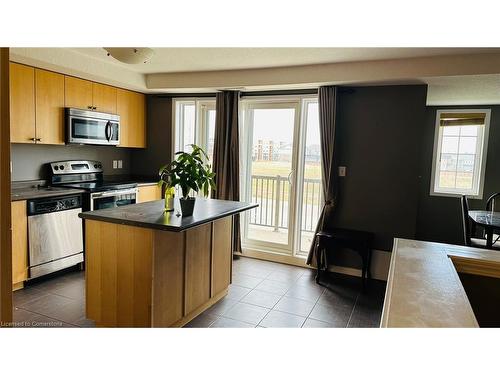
<point>272,194</point>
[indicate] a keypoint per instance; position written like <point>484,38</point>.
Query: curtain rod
<point>348,90</point>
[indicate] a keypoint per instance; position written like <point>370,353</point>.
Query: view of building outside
<point>271,167</point>
<point>458,154</point>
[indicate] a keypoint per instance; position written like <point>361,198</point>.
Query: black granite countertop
<point>35,189</point>
<point>152,214</point>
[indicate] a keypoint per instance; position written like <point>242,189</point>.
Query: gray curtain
<point>226,155</point>
<point>327,98</point>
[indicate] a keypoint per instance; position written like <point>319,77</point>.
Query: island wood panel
<point>49,96</point>
<point>77,93</point>
<point>93,249</point>
<point>118,274</point>
<point>221,255</point>
<point>168,278</point>
<point>104,97</point>
<point>19,244</point>
<point>148,193</point>
<point>22,103</point>
<point>198,267</point>
<point>140,277</point>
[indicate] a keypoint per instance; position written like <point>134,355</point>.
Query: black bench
<point>359,241</point>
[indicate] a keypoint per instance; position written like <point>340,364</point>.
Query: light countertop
<point>424,289</point>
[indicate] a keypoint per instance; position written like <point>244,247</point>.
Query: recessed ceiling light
<point>130,55</point>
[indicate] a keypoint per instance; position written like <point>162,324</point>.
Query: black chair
<point>468,230</point>
<point>490,203</point>
<point>359,241</point>
<point>490,206</point>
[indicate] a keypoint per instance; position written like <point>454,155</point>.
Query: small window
<point>459,160</point>
<point>194,123</point>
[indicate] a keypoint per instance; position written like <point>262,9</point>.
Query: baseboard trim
<point>379,266</point>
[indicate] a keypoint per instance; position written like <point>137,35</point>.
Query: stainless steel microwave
<point>90,127</point>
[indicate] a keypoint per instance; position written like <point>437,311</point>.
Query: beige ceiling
<point>454,75</point>
<point>169,60</point>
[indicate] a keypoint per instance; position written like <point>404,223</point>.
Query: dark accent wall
<point>28,161</point>
<point>439,218</point>
<point>147,162</point>
<point>379,134</point>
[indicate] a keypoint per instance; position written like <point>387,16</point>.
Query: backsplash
<point>28,161</point>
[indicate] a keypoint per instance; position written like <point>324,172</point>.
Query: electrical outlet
<point>115,164</point>
<point>342,171</point>
<point>120,164</point>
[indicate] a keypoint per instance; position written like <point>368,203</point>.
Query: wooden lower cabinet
<point>19,244</point>
<point>140,277</point>
<point>148,193</point>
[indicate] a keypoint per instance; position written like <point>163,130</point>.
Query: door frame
<point>287,101</point>
<point>5,198</point>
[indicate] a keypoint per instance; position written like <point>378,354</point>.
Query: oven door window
<point>114,201</point>
<point>88,129</point>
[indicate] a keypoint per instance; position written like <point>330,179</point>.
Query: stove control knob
<point>61,167</point>
<point>96,166</point>
<point>56,167</point>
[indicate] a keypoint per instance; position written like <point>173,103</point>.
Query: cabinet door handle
<point>94,108</point>
<point>33,139</point>
<point>38,139</point>
<point>89,107</point>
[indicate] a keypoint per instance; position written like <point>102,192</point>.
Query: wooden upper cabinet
<point>77,93</point>
<point>49,96</point>
<point>104,98</point>
<point>22,103</point>
<point>131,106</point>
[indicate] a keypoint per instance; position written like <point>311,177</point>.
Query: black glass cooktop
<point>102,186</point>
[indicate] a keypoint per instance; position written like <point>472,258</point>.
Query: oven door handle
<point>113,192</point>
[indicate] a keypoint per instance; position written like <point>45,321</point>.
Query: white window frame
<point>201,127</point>
<point>479,164</point>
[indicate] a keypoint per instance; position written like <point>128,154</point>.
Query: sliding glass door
<point>277,141</point>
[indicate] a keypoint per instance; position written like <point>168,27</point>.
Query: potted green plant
<point>189,171</point>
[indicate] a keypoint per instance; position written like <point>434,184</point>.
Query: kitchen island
<point>149,268</point>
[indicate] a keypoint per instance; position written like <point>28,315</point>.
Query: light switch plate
<point>342,171</point>
<point>120,164</point>
<point>115,164</point>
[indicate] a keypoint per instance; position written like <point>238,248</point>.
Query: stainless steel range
<point>88,175</point>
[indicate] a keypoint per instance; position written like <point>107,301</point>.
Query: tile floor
<point>263,294</point>
<point>267,294</point>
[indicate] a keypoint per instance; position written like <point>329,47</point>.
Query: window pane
<point>312,195</point>
<point>189,122</point>
<point>271,168</point>
<point>465,163</point>
<point>464,180</point>
<point>447,179</point>
<point>451,130</point>
<point>211,133</point>
<point>448,162</point>
<point>469,130</point>
<point>467,145</point>
<point>450,145</point>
